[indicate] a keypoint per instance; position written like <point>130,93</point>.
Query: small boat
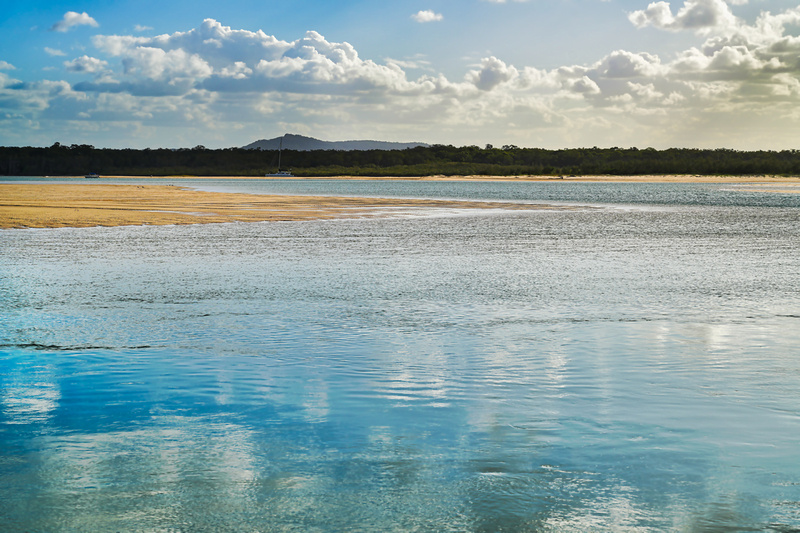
<point>92,175</point>
<point>280,173</point>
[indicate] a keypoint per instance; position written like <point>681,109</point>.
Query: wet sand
<point>51,205</point>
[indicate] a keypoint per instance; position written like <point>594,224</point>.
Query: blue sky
<point>553,74</point>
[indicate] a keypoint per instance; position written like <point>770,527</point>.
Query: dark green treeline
<point>421,161</point>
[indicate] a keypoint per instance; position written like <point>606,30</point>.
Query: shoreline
<point>646,178</point>
<point>58,205</point>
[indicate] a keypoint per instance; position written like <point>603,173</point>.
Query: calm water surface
<point>631,365</point>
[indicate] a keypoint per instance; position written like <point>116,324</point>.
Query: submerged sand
<point>49,205</point>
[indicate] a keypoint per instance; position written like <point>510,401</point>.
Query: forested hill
<point>299,142</point>
<point>420,161</point>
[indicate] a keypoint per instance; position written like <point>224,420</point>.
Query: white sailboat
<point>280,173</point>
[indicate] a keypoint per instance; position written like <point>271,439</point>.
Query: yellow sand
<point>48,205</point>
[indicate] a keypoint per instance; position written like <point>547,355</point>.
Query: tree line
<point>63,160</point>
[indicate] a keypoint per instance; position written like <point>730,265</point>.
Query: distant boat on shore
<point>280,173</point>
<point>92,175</point>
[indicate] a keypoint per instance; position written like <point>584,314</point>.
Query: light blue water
<point>632,367</point>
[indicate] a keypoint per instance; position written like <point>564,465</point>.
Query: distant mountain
<point>301,143</point>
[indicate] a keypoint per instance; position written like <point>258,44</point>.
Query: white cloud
<point>418,62</point>
<point>622,64</point>
<point>645,91</point>
<point>72,19</point>
<point>167,66</point>
<point>239,71</point>
<point>219,58</point>
<point>141,28</point>
<point>86,64</point>
<point>492,73</point>
<point>735,57</point>
<point>697,15</point>
<point>54,52</point>
<point>5,65</point>
<point>785,85</point>
<point>427,16</point>
<point>584,85</point>
<point>26,101</point>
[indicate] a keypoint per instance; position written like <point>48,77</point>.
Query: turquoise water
<point>630,362</point>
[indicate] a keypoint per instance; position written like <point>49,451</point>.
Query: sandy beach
<point>86,203</point>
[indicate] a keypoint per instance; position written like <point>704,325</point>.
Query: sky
<point>531,73</point>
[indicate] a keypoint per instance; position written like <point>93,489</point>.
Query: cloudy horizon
<point>695,73</point>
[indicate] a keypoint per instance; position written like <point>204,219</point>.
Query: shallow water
<point>626,366</point>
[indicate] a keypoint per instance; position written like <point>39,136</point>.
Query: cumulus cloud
<point>24,100</point>
<point>584,85</point>
<point>165,65</point>
<point>217,57</point>
<point>214,74</point>
<point>54,52</point>
<point>239,71</point>
<point>622,64</point>
<point>427,15</point>
<point>695,15</point>
<point>646,91</point>
<point>86,64</point>
<point>492,73</point>
<point>72,19</point>
<point>736,56</point>
<point>5,65</point>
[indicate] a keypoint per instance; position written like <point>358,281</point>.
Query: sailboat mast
<point>280,173</point>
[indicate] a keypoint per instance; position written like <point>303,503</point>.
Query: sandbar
<point>86,203</point>
<point>55,205</point>
<point>676,178</point>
